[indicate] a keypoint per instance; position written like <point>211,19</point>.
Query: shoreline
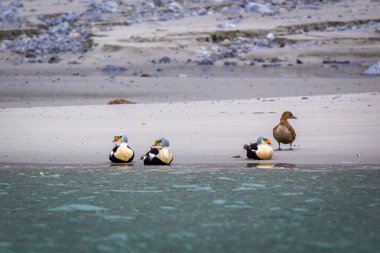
<point>210,77</point>
<point>254,164</point>
<point>331,129</point>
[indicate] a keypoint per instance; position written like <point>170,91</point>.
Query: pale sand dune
<point>332,129</point>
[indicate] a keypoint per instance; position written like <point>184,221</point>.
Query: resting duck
<point>159,153</point>
<point>259,150</point>
<point>284,132</point>
<point>121,153</point>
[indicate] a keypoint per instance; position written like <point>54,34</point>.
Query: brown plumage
<point>284,132</point>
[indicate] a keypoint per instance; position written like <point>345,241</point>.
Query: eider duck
<point>121,153</point>
<point>284,132</point>
<point>159,153</point>
<point>259,150</point>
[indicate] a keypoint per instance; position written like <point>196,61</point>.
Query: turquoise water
<point>209,208</point>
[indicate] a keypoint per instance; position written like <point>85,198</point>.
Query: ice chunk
<point>373,69</point>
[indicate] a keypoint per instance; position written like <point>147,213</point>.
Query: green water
<point>189,209</point>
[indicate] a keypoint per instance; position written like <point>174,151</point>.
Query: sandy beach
<point>210,83</point>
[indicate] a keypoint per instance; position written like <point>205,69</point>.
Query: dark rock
<point>113,69</point>
<point>206,62</point>
<point>54,59</point>
<point>259,60</point>
<point>328,61</point>
<point>120,102</point>
<point>299,61</point>
<point>274,60</point>
<point>271,65</point>
<point>230,63</point>
<point>163,60</point>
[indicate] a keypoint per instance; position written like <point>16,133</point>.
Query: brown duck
<point>284,132</point>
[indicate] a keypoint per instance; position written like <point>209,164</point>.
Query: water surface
<point>200,208</point>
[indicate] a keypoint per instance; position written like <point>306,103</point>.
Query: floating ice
<point>77,207</point>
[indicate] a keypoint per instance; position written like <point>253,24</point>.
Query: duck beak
<point>294,117</point>
<point>115,139</point>
<point>268,142</point>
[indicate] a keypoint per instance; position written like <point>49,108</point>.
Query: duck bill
<point>115,139</point>
<point>294,117</point>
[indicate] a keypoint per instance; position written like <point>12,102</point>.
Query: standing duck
<point>121,153</point>
<point>259,150</point>
<point>159,153</point>
<point>284,132</point>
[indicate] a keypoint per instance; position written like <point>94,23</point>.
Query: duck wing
<point>284,133</point>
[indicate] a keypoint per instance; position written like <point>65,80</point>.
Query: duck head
<point>120,138</point>
<point>162,142</point>
<point>287,115</point>
<point>263,140</point>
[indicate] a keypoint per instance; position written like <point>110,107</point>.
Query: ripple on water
<point>144,190</point>
<point>182,235</point>
<point>219,201</point>
<point>5,244</point>
<point>291,193</point>
<point>185,186</point>
<point>167,207</point>
<point>314,200</point>
<point>205,188</point>
<point>77,207</point>
<point>226,179</point>
<point>115,237</point>
<point>210,225</point>
<point>68,192</point>
<point>249,187</point>
<point>238,205</point>
<point>112,242</point>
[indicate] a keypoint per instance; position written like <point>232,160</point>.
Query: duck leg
<point>279,146</point>
<point>291,146</point>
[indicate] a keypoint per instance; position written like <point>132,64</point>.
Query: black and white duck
<point>121,153</point>
<point>159,153</point>
<point>261,150</point>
